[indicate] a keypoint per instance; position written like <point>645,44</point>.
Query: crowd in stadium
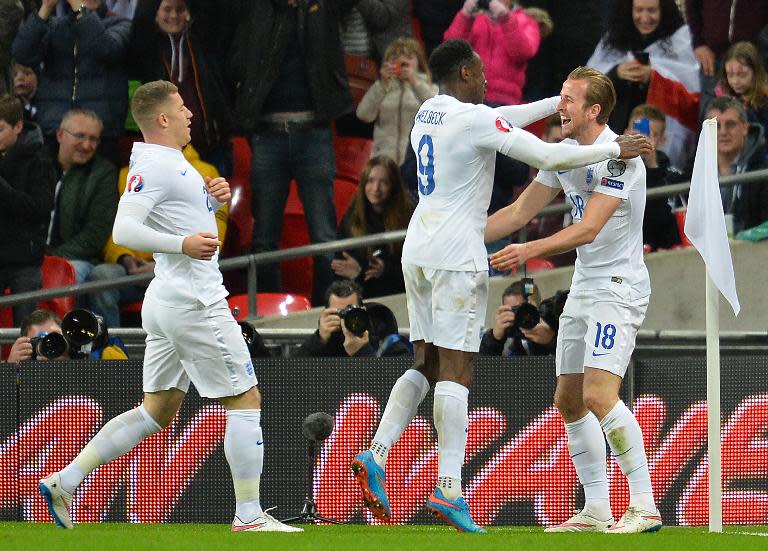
<point>278,87</point>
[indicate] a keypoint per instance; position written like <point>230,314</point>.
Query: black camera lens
<point>51,346</point>
<point>81,327</point>
<point>527,316</point>
<point>483,4</point>
<point>356,319</point>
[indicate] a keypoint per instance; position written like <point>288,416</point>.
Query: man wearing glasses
<point>85,200</point>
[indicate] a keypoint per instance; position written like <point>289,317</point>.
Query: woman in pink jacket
<point>505,38</point>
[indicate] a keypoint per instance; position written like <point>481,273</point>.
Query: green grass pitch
<point>184,537</point>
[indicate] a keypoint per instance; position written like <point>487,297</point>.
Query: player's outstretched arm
<point>513,217</point>
<point>598,211</point>
<point>129,231</point>
<point>525,114</point>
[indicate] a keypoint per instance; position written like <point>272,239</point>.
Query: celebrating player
<point>605,307</point>
<point>167,208</point>
<point>445,262</point>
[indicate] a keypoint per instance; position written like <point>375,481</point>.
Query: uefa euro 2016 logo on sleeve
<point>135,183</point>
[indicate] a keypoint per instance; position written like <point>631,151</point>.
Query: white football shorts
<point>598,331</point>
<point>204,345</point>
<point>446,308</point>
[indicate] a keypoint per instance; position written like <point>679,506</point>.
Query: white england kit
<point>191,334</point>
<point>610,287</point>
<point>444,259</point>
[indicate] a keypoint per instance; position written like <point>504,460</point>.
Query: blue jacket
<point>83,66</point>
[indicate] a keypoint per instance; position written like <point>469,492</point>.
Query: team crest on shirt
<point>616,168</point>
<point>503,124</point>
<point>136,183</point>
<point>590,175</point>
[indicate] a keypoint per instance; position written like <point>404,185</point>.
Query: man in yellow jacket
<point>125,261</point>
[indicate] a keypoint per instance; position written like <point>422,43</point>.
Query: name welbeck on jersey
<point>428,116</point>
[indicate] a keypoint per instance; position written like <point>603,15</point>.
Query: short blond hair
<point>600,90</point>
<point>148,100</point>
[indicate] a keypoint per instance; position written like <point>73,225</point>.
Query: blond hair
<point>148,100</point>
<point>405,46</point>
<point>600,90</point>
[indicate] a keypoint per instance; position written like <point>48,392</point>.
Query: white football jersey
<point>455,145</point>
<point>163,181</point>
<point>614,260</point>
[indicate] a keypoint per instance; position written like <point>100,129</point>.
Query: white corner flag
<point>705,227</point>
<point>705,221</point>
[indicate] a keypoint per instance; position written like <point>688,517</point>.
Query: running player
<point>605,307</point>
<point>445,262</point>
<point>168,209</point>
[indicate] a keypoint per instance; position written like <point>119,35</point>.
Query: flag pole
<point>713,406</point>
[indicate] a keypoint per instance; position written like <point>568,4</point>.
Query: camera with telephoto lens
<point>48,345</point>
<point>483,4</point>
<point>526,314</point>
<point>254,341</point>
<point>356,319</point>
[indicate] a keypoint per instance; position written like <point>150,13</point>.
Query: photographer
<point>41,323</point>
<point>508,337</point>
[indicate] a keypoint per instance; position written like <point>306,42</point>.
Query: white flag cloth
<point>704,221</point>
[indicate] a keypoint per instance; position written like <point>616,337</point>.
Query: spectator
<point>82,55</point>
<point>332,338</point>
<point>11,15</point>
<point>553,132</point>
<point>171,41</point>
<point>384,327</point>
<point>434,18</point>
<point>576,32</point>
<point>741,148</point>
<point>25,88</point>
<point>385,21</point>
<point>381,204</point>
<point>42,322</point>
<point>393,100</point>
<point>645,37</point>
<point>289,87</point>
<point>505,38</point>
<point>744,77</point>
<point>85,201</point>
<point>121,261</point>
<point>659,224</point>
<point>27,180</point>
<point>507,338</point>
<point>715,25</point>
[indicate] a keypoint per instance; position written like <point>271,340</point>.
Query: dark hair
<point>38,317</point>
<point>383,320</point>
<point>397,208</point>
<point>623,36</point>
<point>723,103</point>
<point>516,289</point>
<point>344,288</point>
<point>448,58</point>
<point>11,109</point>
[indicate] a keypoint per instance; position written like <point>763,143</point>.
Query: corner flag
<point>704,221</point>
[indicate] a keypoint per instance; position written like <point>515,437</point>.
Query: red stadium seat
<point>296,274</point>
<point>58,272</point>
<point>343,194</point>
<point>351,155</point>
<point>269,304</point>
<point>680,219</point>
<point>241,157</point>
<point>539,265</point>
<point>6,314</point>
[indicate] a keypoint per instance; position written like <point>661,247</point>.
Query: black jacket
<point>334,348</point>
<point>518,346</point>
<point>260,40</point>
<point>152,55</point>
<point>27,183</point>
<point>659,224</point>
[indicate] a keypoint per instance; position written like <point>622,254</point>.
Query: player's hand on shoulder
<point>330,322</point>
<point>633,145</point>
<point>200,246</point>
<point>20,351</point>
<point>218,188</point>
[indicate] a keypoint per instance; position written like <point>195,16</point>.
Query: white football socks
<point>452,422</point>
<point>118,436</point>
<point>626,440</point>
<point>404,399</point>
<point>586,445</point>
<point>244,449</point>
